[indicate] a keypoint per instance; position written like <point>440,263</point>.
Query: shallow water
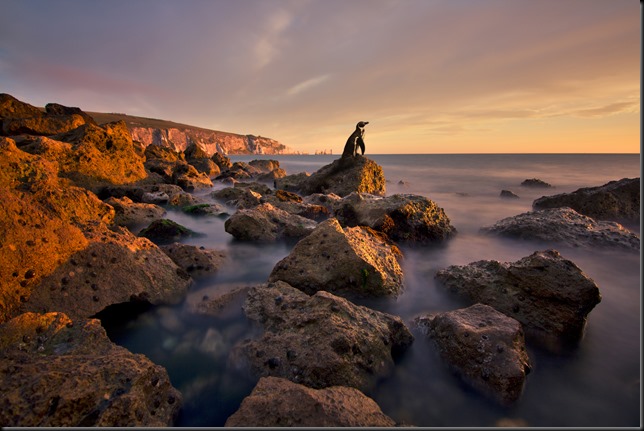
<point>597,385</point>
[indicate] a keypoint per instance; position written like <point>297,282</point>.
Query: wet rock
<point>240,171</point>
<point>238,197</point>
<point>129,213</point>
<point>267,223</point>
<point>265,166</point>
<point>206,209</point>
<point>293,204</point>
<point>567,227</point>
<point>617,201</point>
<point>115,267</point>
<point>159,194</point>
<point>55,372</point>
<point>277,402</point>
<point>174,168</point>
<point>402,217</point>
<point>486,348</point>
<point>326,200</point>
<point>293,182</point>
<point>536,183</point>
<point>342,177</point>
<point>355,262</point>
<point>218,304</point>
<point>548,294</point>
<point>320,340</point>
<point>507,194</point>
<point>166,231</point>
<point>255,186</point>
<point>196,261</point>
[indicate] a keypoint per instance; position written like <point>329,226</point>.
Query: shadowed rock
<point>277,402</point>
<point>55,372</point>
<point>349,262</point>
<point>267,223</point>
<point>507,194</point>
<point>617,201</point>
<point>165,231</point>
<point>402,217</point>
<point>320,340</point>
<point>196,261</point>
<point>129,213</point>
<point>547,293</point>
<point>486,348</point>
<point>567,227</point>
<point>536,183</point>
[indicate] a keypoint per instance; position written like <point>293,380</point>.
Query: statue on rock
<point>355,140</point>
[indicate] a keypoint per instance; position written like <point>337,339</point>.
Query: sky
<point>430,76</point>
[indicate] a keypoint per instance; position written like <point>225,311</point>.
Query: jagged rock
<point>257,187</point>
<point>548,294</point>
<point>219,304</point>
<point>326,200</point>
<point>129,213</point>
<point>267,223</point>
<point>165,231</point>
<point>536,183</point>
<point>617,201</point>
<point>159,194</point>
<point>292,182</point>
<point>207,209</point>
<point>55,372</point>
<point>507,194</point>
<point>238,197</point>
<point>342,177</point>
<point>222,161</point>
<point>277,402</point>
<point>115,267</point>
<point>189,178</point>
<point>196,261</point>
<point>174,168</point>
<point>320,340</point>
<point>354,261</point>
<point>402,217</point>
<point>45,125</point>
<point>265,166</point>
<point>240,171</point>
<point>58,109</point>
<point>270,177</point>
<point>565,226</point>
<point>486,348</point>
<point>293,204</point>
<point>10,107</point>
<point>199,158</point>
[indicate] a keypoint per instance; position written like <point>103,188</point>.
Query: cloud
<point>307,85</point>
<point>607,110</point>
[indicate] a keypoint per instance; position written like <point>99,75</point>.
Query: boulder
<point>270,177</point>
<point>402,217</point>
<point>255,186</point>
<point>115,267</point>
<point>507,194</point>
<point>220,303</point>
<point>10,107</point>
<point>342,177</point>
<point>238,197</point>
<point>165,231</point>
<point>265,166</point>
<point>197,261</point>
<point>486,348</point>
<point>320,340</point>
<point>45,125</point>
<point>293,204</point>
<point>199,158</point>
<point>174,168</point>
<point>354,262</point>
<point>567,227</point>
<point>58,109</point>
<point>536,183</point>
<point>129,213</point>
<point>326,200</point>
<point>58,372</point>
<point>240,171</point>
<point>222,161</point>
<point>206,209</point>
<point>548,294</point>
<point>617,201</point>
<point>277,402</point>
<point>294,182</point>
<point>267,223</point>
<point>159,194</point>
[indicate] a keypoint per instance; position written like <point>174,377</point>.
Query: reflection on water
<point>597,385</point>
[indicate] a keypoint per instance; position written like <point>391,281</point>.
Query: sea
<point>595,385</point>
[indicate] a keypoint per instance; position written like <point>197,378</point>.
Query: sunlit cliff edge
<point>149,131</point>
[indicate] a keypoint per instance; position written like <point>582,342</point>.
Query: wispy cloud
<point>307,85</point>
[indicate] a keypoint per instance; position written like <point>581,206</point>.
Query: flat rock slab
<point>277,402</point>
<point>548,294</point>
<point>485,347</point>
<point>350,262</point>
<point>402,217</point>
<point>320,340</point>
<point>565,226</point>
<point>617,201</point>
<point>55,372</point>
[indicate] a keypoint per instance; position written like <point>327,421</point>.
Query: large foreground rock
<point>402,217</point>
<point>115,267</point>
<point>129,213</point>
<point>485,347</point>
<point>320,340</point>
<point>548,294</point>
<point>354,262</point>
<point>565,226</point>
<point>342,177</point>
<point>279,402</point>
<point>617,201</point>
<point>267,223</point>
<point>55,372</point>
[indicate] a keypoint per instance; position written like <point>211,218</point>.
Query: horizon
<point>431,77</point>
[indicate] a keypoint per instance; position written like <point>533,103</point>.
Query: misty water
<point>596,385</point>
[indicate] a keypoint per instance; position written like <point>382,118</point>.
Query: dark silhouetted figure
<point>356,139</point>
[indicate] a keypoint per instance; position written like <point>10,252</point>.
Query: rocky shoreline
<point>73,192</point>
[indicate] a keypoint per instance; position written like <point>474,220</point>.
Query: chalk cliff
<point>177,136</point>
